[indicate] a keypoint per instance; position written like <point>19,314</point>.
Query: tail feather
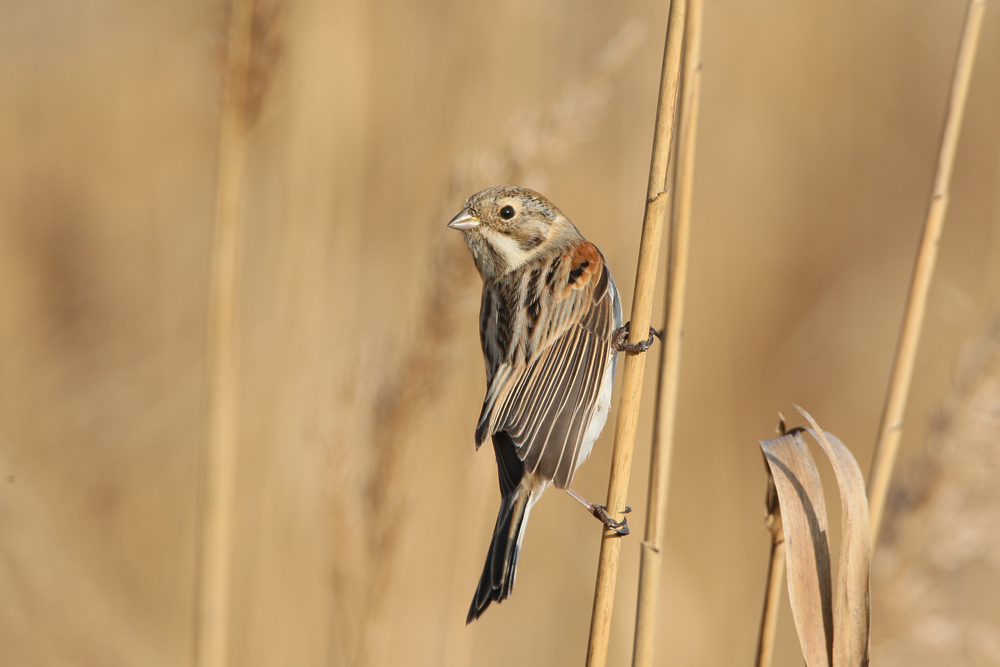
<point>497,581</point>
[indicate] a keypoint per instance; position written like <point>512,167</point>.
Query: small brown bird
<point>550,324</point>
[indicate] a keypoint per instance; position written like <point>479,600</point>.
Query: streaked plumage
<point>549,312</point>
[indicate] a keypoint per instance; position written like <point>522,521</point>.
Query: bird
<point>550,326</point>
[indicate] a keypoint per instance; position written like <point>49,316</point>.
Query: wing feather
<point>545,404</point>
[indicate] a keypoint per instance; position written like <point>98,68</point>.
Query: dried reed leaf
<point>839,624</point>
<point>851,612</point>
<point>807,550</point>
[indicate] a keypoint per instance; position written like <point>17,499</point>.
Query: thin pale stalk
<point>670,356</point>
<point>891,427</point>
<point>642,306</point>
<point>210,646</point>
<point>772,600</point>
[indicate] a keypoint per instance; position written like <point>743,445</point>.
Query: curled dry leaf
<point>832,629</point>
<point>851,612</point>
<point>807,549</point>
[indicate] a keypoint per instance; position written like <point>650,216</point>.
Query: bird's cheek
<point>508,249</point>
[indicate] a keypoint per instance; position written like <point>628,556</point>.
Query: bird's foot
<point>618,527</point>
<point>601,512</point>
<point>619,340</point>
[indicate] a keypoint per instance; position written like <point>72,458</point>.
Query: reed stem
<point>211,645</point>
<point>642,306</point>
<point>769,619</point>
<point>891,427</point>
<point>670,356</point>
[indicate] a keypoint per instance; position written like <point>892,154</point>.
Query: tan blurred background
<point>363,510</point>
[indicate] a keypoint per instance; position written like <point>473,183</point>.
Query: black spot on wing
<point>577,272</point>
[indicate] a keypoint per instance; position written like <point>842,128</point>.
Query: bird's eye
<point>507,212</point>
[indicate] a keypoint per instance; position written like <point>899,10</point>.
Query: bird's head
<point>507,226</point>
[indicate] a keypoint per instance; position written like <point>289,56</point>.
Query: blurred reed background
<point>363,511</point>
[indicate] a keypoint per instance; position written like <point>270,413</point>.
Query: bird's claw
<point>618,527</point>
<point>619,340</point>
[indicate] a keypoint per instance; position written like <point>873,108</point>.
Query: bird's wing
<point>545,402</point>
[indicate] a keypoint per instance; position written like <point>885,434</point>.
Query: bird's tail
<point>497,581</point>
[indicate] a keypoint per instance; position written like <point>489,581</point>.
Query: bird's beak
<point>464,221</point>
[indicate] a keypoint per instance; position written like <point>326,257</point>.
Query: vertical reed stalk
<point>775,577</point>
<point>210,646</point>
<point>769,619</point>
<point>670,356</point>
<point>642,305</point>
<point>891,427</point>
<point>772,599</point>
